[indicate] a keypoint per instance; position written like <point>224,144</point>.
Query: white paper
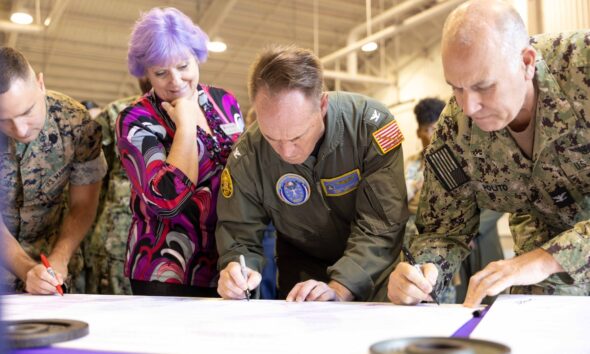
<point>188,325</point>
<point>538,324</point>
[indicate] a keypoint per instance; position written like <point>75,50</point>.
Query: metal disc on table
<point>43,332</point>
<point>438,345</point>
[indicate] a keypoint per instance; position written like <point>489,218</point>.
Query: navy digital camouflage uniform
<point>36,175</point>
<point>549,195</point>
<point>485,248</point>
<point>338,216</point>
<point>107,242</point>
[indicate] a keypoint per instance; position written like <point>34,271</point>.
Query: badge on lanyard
<point>231,128</point>
<point>293,189</point>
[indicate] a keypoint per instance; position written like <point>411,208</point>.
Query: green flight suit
<point>353,221</point>
<point>549,195</point>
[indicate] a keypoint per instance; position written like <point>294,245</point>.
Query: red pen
<point>51,272</point>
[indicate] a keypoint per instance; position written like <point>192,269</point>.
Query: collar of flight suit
<point>334,125</point>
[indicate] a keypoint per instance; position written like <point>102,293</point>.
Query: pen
<point>243,266</point>
<point>51,272</point>
<point>412,261</point>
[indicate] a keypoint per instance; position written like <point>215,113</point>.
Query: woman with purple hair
<point>174,142</point>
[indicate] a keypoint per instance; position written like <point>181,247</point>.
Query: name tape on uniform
<point>341,185</point>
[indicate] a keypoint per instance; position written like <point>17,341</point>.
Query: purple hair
<point>161,36</point>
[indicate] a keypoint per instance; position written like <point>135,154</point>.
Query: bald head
<point>488,62</point>
<point>490,23</point>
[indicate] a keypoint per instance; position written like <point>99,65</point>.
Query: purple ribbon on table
<point>465,330</point>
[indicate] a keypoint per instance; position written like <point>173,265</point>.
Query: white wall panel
<point>565,15</point>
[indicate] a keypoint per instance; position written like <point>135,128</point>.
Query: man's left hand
<point>526,269</point>
<point>313,290</point>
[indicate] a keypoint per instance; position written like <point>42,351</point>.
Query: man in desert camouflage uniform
<point>49,143</point>
<point>514,138</point>
<point>107,243</point>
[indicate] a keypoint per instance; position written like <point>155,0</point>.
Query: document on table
<point>538,324</point>
<point>189,325</point>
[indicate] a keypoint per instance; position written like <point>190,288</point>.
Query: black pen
<point>243,266</point>
<point>412,262</point>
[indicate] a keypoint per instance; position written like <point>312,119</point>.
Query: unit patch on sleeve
<point>388,137</point>
<point>446,168</point>
<point>227,187</point>
<point>341,185</point>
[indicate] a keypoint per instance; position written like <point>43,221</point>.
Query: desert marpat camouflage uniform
<point>469,169</point>
<point>36,175</point>
<point>108,241</point>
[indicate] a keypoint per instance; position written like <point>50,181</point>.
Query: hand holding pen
<point>412,262</point>
<point>52,273</point>
<point>236,280</point>
<point>411,283</point>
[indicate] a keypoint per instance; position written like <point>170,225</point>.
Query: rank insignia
<point>561,197</point>
<point>227,186</point>
<point>293,189</point>
<point>341,185</point>
<point>388,137</point>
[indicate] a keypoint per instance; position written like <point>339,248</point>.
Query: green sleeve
<point>378,228</point>
<point>241,219</point>
<point>571,249</point>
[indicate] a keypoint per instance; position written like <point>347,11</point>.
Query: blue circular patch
<point>293,189</point>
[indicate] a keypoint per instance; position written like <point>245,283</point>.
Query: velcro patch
<point>227,187</point>
<point>388,137</point>
<point>341,185</point>
<point>375,116</point>
<point>446,168</point>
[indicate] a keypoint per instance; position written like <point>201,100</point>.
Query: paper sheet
<point>189,325</point>
<point>538,324</point>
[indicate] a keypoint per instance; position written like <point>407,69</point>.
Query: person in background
<point>326,168</point>
<point>426,111</point>
<point>173,144</point>
<point>49,144</point>
<point>92,107</point>
<point>513,138</point>
<point>107,242</point>
<point>485,248</point>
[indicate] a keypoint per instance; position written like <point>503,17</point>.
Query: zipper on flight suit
<point>319,185</point>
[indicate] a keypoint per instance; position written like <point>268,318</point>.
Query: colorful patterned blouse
<point>171,238</point>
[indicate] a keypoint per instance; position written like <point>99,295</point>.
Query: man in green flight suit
<point>327,170</point>
<point>514,138</point>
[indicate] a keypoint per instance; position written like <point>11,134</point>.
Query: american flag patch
<point>446,168</point>
<point>388,137</point>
